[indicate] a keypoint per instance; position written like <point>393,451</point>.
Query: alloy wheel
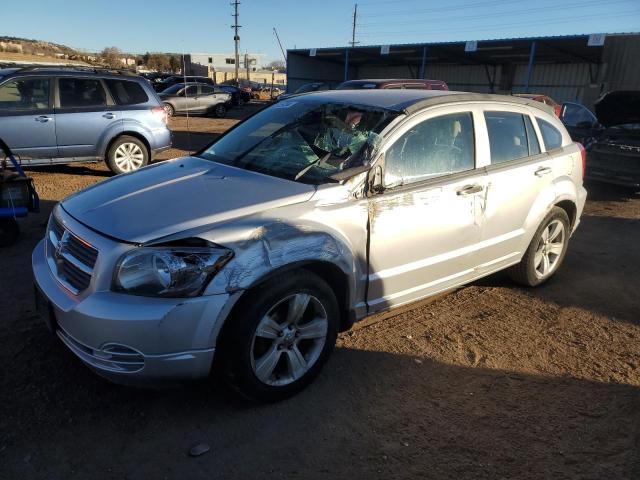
<point>129,157</point>
<point>550,248</point>
<point>289,339</point>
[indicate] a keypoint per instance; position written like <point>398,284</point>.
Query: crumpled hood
<point>618,108</point>
<point>178,195</point>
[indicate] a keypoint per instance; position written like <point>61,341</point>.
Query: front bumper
<point>129,339</point>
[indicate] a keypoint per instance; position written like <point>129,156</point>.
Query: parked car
<point>538,97</point>
<point>393,83</point>
<point>196,99</point>
<point>313,213</point>
<point>63,115</point>
<point>238,97</point>
<point>611,136</point>
<point>306,88</point>
<point>175,79</point>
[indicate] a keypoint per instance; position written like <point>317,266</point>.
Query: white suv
<point>312,214</point>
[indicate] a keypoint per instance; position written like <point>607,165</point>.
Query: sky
<point>203,26</point>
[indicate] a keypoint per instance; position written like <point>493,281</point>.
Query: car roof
<point>409,101</point>
<point>379,81</point>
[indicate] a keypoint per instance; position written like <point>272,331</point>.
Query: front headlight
<point>168,271</point>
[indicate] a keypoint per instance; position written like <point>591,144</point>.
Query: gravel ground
<point>490,381</point>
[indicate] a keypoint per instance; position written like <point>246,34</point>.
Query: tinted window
<point>574,115</point>
<point>191,91</point>
<point>126,92</point>
<point>551,136</point>
<point>81,93</point>
<point>435,147</point>
<point>532,138</point>
<point>24,94</point>
<point>507,136</point>
<point>205,90</point>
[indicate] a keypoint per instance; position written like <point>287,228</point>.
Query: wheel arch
<point>128,133</point>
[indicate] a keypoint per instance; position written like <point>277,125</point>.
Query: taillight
<point>161,113</point>
<point>557,109</point>
<point>583,153</point>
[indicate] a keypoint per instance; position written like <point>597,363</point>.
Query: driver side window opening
<point>438,146</point>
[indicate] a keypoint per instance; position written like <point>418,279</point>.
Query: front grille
<point>70,258</point>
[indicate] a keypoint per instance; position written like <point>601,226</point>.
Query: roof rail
<point>81,68</point>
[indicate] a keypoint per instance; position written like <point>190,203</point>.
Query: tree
<point>275,65</point>
<point>112,57</point>
<point>174,63</point>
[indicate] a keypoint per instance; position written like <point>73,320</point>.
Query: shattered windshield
<point>307,141</point>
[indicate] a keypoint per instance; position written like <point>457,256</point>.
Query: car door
<point>85,116</point>
<point>208,97</point>
<point>520,177</point>
<point>579,121</point>
<point>424,223</point>
<point>187,99</point>
<point>27,118</point>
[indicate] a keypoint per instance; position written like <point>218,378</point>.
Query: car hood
<point>618,108</point>
<point>178,195</point>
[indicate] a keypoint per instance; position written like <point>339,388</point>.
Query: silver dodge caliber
<point>311,214</point>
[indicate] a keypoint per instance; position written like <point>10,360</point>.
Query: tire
<point>273,362</point>
<point>9,231</point>
<point>540,262</point>
<point>127,154</point>
<point>220,110</point>
<point>169,109</point>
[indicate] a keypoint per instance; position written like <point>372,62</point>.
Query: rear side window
<point>126,92</point>
<point>551,136</point>
<point>507,136</point>
<point>24,95</point>
<point>438,146</point>
<point>206,90</point>
<point>81,93</point>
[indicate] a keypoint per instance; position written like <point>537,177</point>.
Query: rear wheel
<point>280,337</point>
<point>127,154</point>
<point>545,252</point>
<point>169,109</point>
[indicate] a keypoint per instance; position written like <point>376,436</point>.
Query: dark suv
<point>61,115</point>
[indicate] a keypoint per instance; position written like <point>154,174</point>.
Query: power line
<point>505,25</point>
<point>503,14</point>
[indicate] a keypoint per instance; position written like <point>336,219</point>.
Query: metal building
<point>577,67</point>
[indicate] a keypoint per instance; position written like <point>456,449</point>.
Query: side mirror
<point>375,180</point>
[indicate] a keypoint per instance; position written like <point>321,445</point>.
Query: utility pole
<point>353,32</point>
<point>284,55</point>
<point>236,37</point>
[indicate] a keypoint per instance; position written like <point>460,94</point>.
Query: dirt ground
<point>490,381</point>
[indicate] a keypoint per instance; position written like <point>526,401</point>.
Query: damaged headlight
<point>169,271</point>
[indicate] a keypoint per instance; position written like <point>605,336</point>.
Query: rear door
<point>85,116</point>
<point>27,118</point>
<point>520,175</point>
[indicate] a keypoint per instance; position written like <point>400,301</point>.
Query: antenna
<point>353,32</point>
<point>236,37</point>
<point>284,55</point>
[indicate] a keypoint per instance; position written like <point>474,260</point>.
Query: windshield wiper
<point>319,161</point>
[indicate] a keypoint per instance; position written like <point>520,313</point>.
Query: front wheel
<point>169,109</point>
<point>127,154</point>
<point>545,252</point>
<point>280,337</point>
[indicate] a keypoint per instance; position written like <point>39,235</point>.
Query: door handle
<point>542,171</point>
<point>470,189</point>
<point>109,115</point>
<point>43,119</point>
